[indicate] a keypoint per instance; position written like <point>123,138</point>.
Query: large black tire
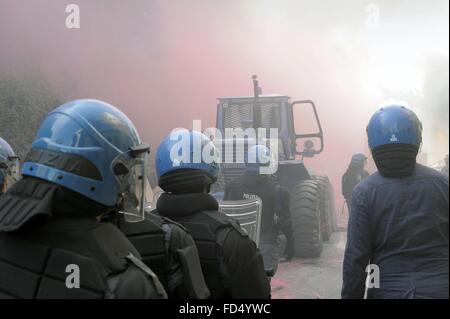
<point>306,219</point>
<point>326,213</point>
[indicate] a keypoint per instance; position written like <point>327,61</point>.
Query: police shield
<point>247,213</point>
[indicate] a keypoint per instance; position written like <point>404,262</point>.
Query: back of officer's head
<point>186,162</point>
<point>395,136</point>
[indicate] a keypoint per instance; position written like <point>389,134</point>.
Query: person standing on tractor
<point>276,216</point>
<point>398,225</point>
<point>354,174</point>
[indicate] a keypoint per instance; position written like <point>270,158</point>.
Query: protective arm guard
<point>194,282</point>
<point>136,282</point>
<point>183,248</point>
<point>244,263</point>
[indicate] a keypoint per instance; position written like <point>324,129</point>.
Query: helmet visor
<point>130,169</point>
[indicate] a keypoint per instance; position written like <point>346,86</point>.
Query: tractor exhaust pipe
<point>256,107</point>
<point>256,89</point>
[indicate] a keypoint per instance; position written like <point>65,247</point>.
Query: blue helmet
<point>394,124</point>
<point>358,159</point>
<point>184,149</point>
<point>91,148</point>
<point>257,156</point>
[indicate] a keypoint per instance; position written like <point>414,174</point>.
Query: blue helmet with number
<point>394,124</point>
<point>91,148</point>
<point>186,159</point>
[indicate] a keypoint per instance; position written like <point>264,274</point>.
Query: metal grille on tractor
<point>238,116</point>
<point>241,115</point>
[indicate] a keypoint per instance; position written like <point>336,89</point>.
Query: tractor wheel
<point>306,219</point>
<point>326,213</point>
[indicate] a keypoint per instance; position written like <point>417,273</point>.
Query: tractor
<point>311,196</point>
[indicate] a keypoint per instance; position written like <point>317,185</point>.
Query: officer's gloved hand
<point>290,250</point>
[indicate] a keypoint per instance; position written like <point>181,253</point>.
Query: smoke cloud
<point>164,63</point>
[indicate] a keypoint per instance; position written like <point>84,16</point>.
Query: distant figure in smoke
<point>353,176</point>
<point>399,217</point>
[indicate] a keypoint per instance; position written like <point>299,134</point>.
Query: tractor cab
<point>248,120</point>
<point>292,131</point>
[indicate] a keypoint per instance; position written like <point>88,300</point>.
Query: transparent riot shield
<point>247,213</point>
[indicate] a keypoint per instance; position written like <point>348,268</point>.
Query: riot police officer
<point>186,164</point>
<point>9,166</point>
<point>399,217</point>
<point>275,215</point>
<point>354,174</point>
<point>87,159</point>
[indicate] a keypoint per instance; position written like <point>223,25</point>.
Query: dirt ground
<point>312,278</point>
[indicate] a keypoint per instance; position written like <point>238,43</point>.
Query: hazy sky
<point>165,62</point>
